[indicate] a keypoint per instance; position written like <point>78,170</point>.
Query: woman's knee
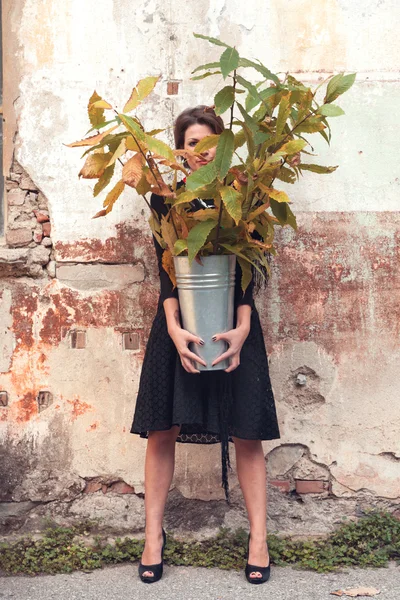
<point>165,438</point>
<point>247,446</point>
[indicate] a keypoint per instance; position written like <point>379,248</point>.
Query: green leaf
<point>133,127</point>
<point>283,115</point>
<point>229,61</point>
<point>205,75</point>
<point>292,147</point>
<point>232,200</point>
<point>198,236</point>
<point>250,122</point>
<point>211,40</point>
<point>208,142</point>
<point>330,110</point>
<point>283,213</point>
<point>186,196</point>
<point>100,125</point>
<point>159,147</point>
<point>201,177</point>
<point>140,92</point>
<point>239,139</point>
<point>317,168</point>
<point>244,62</point>
<point>247,274</point>
<point>224,153</point>
<point>339,84</point>
<point>104,180</point>
<point>180,246</point>
<point>213,65</point>
<point>224,99</point>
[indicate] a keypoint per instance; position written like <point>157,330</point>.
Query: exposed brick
<point>92,487</point>
<point>42,216</point>
<point>311,486</point>
<point>44,399</point>
<point>172,88</point>
<point>283,485</point>
<point>130,341</point>
<point>78,339</point>
<point>120,487</point>
<point>3,399</point>
<point>18,237</point>
<point>46,228</point>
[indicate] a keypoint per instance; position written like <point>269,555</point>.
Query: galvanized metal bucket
<point>206,298</point>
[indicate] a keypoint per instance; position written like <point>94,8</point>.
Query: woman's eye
<point>192,143</point>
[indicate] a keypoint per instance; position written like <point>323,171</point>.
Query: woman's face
<point>193,134</point>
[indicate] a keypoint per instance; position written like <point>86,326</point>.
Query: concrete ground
<point>188,583</point>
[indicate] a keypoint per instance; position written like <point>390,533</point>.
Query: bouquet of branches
<point>264,142</point>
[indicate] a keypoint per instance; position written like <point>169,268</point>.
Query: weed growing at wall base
<point>370,542</point>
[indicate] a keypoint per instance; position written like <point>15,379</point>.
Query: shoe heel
<point>156,568</point>
<point>265,571</point>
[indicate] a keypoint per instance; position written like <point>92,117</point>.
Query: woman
<point>178,403</point>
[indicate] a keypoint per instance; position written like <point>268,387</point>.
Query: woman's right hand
<point>181,338</point>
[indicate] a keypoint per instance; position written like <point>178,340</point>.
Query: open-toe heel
<point>156,569</point>
<point>264,571</point>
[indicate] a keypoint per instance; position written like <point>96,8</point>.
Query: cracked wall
<point>78,295</point>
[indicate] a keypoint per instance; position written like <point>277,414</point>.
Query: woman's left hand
<point>235,338</point>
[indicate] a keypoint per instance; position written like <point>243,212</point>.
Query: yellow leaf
<point>92,140</point>
<point>132,170</point>
<point>113,195</point>
<point>168,265</point>
<point>96,115</point>
<point>94,166</point>
<point>140,92</point>
<point>100,104</point>
<point>131,144</point>
<point>168,233</point>
<point>208,142</point>
<point>120,151</point>
<point>258,211</point>
<point>277,195</point>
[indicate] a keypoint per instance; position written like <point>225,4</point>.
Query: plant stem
<point>221,208</point>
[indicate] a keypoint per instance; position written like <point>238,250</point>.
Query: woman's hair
<point>202,114</point>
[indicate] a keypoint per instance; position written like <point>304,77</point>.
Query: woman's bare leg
<point>250,465</point>
<point>159,469</point>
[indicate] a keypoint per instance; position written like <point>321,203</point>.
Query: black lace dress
<point>211,406</point>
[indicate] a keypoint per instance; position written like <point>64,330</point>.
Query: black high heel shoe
<point>157,569</point>
<point>265,571</point>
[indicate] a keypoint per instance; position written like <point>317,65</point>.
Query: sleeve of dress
<point>166,286</point>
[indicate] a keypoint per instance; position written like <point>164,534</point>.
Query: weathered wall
<point>78,295</point>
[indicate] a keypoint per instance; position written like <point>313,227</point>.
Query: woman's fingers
<point>194,338</point>
<point>192,356</point>
<point>188,366</point>
<point>234,365</point>
<point>230,352</point>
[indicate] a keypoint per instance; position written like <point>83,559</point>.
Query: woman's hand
<point>181,338</point>
<point>235,338</point>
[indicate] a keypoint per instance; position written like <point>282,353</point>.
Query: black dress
<point>211,406</point>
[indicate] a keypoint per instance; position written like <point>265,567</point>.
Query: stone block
<point>26,183</point>
<point>13,262</point>
<point>19,237</point>
<point>282,458</point>
<point>98,276</point>
<point>39,255</point>
<point>16,197</point>
<point>316,486</point>
<point>46,241</point>
<point>38,235</point>
<point>51,268</point>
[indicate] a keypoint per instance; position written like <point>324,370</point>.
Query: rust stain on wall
<point>78,407</point>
